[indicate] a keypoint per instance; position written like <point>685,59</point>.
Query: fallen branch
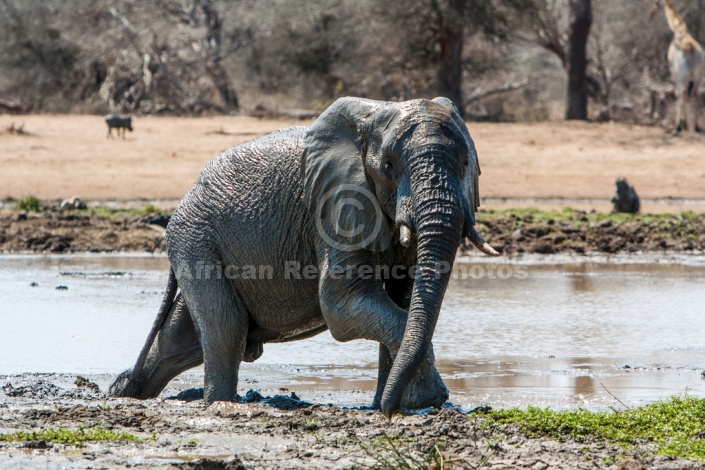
<point>620,401</point>
<point>10,106</point>
<point>14,130</point>
<point>480,93</point>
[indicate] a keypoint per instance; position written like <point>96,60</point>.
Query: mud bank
<point>570,231</point>
<point>190,435</point>
<point>100,231</point>
<point>511,232</point>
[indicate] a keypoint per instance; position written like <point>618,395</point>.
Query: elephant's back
<point>247,205</point>
<point>248,182</point>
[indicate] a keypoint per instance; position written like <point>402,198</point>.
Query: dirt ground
<point>543,164</point>
<point>295,434</point>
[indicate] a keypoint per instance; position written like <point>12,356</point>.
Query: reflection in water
<point>511,334</point>
<point>579,277</point>
<point>629,311</point>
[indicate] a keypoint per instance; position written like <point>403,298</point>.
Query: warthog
<point>118,122</point>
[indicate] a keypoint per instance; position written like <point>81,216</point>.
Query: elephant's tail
<point>168,301</point>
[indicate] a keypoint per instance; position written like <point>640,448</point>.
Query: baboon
<point>626,199</point>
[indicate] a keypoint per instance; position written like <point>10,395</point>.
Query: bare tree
<point>435,32</point>
<point>36,58</point>
<point>189,57</point>
<point>576,106</point>
<point>212,46</point>
<point>564,32</point>
<point>162,56</point>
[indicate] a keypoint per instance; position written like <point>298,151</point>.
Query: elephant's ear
<point>471,186</point>
<point>337,191</point>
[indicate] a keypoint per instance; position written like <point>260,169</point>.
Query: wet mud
<point>510,232</point>
<point>579,232</point>
<point>78,231</point>
<point>191,435</point>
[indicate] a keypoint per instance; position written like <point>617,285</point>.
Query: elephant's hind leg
<point>221,320</point>
<point>178,348</point>
<point>175,349</point>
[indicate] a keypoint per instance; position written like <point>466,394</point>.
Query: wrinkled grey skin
<point>279,199</point>
<point>625,198</point>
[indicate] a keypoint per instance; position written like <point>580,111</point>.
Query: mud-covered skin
<point>332,197</point>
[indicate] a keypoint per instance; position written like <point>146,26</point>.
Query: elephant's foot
<point>122,386</point>
<point>156,373</point>
<point>226,391</point>
<point>425,390</point>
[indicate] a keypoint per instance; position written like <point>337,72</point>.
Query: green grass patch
<point>70,436</point>
<point>568,214</point>
<point>390,451</point>
<point>119,214</point>
<point>676,427</point>
<point>149,209</point>
<point>29,204</point>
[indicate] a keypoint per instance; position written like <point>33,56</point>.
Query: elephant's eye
<point>388,165</point>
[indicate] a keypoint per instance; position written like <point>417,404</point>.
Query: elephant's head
<point>376,170</point>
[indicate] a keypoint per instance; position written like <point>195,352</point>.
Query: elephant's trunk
<point>439,222</point>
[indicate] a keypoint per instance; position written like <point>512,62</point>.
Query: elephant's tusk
<point>480,243</point>
<point>404,236</point>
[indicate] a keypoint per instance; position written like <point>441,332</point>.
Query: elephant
<point>350,225</point>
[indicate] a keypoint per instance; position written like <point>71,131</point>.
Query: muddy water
<point>573,332</point>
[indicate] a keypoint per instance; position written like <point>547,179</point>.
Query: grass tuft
<point>29,204</point>
<point>149,209</point>
<point>70,436</point>
<point>119,214</point>
<point>394,451</point>
<point>674,426</point>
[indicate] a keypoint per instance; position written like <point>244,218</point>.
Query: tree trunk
<point>576,106</point>
<point>449,72</point>
<point>214,68</point>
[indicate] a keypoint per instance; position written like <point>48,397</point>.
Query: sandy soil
<point>70,155</point>
<point>570,163</point>
<point>295,434</point>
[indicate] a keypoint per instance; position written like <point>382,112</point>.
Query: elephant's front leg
<point>399,291</point>
<point>356,307</point>
<point>385,363</point>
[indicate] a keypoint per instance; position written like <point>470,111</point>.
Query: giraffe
<point>686,62</point>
